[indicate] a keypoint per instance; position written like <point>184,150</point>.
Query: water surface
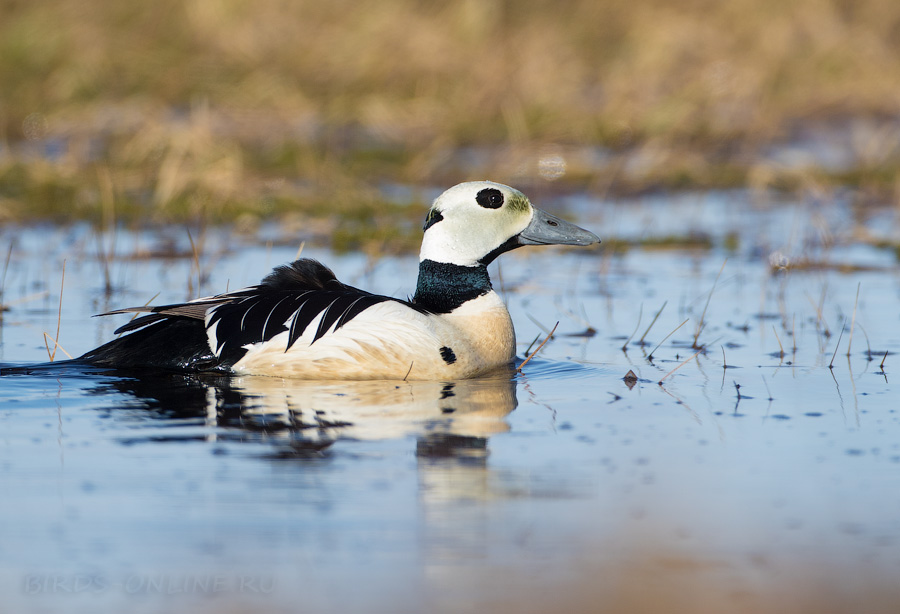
<point>763,471</point>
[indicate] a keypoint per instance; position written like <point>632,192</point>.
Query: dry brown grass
<point>220,108</point>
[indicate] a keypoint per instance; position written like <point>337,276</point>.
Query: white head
<point>472,223</point>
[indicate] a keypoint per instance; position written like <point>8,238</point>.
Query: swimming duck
<point>301,322</point>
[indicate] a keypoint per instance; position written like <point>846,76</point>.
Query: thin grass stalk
<point>537,349</point>
<point>684,362</point>
<point>780,347</point>
<point>62,285</point>
<point>853,321</point>
<point>837,345</point>
<point>666,337</point>
<point>700,325</point>
<point>656,317</point>
<point>636,326</point>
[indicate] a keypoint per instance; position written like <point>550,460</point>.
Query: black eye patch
<point>490,198</point>
<point>433,218</point>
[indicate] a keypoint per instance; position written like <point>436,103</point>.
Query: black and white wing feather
<point>290,298</point>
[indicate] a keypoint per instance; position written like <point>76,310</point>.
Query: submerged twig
<point>538,349</point>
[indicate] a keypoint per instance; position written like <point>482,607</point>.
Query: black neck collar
<point>443,287</point>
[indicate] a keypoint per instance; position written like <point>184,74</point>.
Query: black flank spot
<point>448,355</point>
<point>448,410</point>
<point>490,198</point>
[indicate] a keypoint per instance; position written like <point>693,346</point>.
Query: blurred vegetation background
<point>244,109</point>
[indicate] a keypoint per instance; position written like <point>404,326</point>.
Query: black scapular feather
<point>174,343</point>
<point>175,336</point>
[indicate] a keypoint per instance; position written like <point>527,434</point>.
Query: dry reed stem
<point>656,317</point>
<point>794,333</point>
<point>554,68</point>
<point>104,264</point>
<point>853,321</point>
<point>684,362</point>
<point>6,267</point>
<point>3,306</point>
<point>820,310</point>
<point>636,326</point>
<point>538,349</point>
<point>27,299</point>
<point>780,347</point>
<point>705,307</point>
<point>108,203</point>
<point>196,265</point>
<point>837,345</point>
<point>62,285</point>
<point>56,346</point>
<point>533,341</point>
<point>868,344</point>
<point>650,357</point>
<point>883,358</point>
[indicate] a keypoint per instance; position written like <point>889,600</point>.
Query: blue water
<point>745,479</point>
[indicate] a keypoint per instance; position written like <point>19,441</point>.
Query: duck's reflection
<point>447,424</point>
<point>448,419</point>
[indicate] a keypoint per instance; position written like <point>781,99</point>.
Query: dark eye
<point>490,198</point>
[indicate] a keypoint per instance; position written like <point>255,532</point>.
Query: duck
<point>301,322</point>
